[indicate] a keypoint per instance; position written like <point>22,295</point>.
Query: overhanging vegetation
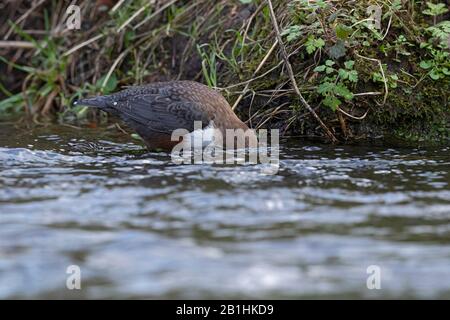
<point>362,75</point>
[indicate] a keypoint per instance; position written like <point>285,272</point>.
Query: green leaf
<point>426,64</point>
<point>338,50</point>
<point>313,44</point>
<point>292,33</point>
<point>310,48</point>
<point>397,5</point>
<point>343,31</point>
<point>377,77</point>
<point>394,77</point>
<point>320,43</point>
<point>332,102</point>
<point>435,9</point>
<point>329,63</point>
<point>325,88</point>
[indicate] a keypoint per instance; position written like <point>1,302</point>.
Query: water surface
<point>139,226</point>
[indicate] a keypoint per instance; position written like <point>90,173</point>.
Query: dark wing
<point>161,113</point>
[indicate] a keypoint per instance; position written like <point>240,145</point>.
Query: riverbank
<point>363,76</point>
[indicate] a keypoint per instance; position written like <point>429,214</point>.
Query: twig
<point>388,28</point>
<point>269,116</point>
<point>71,126</point>
<point>367,94</point>
<point>118,127</point>
<point>343,125</point>
<point>252,79</point>
<point>292,77</point>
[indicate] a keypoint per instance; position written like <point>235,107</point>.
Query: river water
<point>138,226</point>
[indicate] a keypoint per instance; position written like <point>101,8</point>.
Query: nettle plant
<point>336,82</point>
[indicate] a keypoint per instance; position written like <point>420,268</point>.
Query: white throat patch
<point>202,137</point>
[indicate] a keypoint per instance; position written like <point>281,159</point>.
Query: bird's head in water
<point>155,111</point>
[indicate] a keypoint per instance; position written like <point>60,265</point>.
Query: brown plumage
<point>156,110</point>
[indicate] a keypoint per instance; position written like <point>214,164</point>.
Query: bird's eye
<point>115,103</point>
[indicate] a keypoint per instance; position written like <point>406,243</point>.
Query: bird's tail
<point>100,102</point>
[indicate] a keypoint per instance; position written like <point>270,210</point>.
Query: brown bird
<point>155,110</point>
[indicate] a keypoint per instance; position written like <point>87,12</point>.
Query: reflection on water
<point>139,226</point>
